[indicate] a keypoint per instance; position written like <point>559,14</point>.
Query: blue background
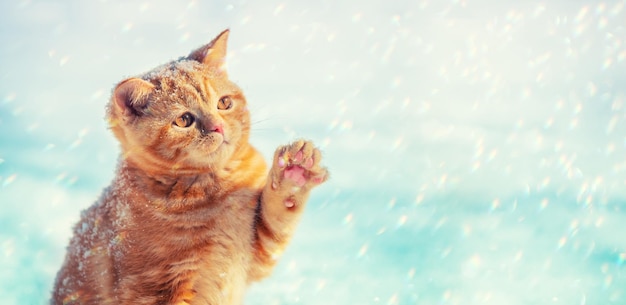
<point>477,148</point>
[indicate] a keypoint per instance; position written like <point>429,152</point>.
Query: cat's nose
<point>218,128</point>
<point>211,125</point>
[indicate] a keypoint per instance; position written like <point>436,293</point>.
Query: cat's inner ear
<point>214,53</point>
<point>131,96</point>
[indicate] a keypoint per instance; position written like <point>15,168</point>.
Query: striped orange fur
<point>192,215</point>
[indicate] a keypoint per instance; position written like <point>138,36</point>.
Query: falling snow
<point>477,147</point>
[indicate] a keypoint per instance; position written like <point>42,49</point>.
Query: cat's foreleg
<point>295,171</point>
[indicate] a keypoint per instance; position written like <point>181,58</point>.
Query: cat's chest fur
<point>201,254</point>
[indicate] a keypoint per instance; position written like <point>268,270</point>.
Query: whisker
<point>260,121</point>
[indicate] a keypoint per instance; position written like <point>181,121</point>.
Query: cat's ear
<point>214,53</point>
<point>130,97</point>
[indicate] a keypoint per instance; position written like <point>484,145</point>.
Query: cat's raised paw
<point>298,163</point>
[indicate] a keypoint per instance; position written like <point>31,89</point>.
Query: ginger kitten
<point>192,215</point>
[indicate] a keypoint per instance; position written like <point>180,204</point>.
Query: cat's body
<point>192,216</point>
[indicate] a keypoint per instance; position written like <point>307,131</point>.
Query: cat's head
<point>185,116</point>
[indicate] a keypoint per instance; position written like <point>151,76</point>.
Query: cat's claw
<point>297,166</point>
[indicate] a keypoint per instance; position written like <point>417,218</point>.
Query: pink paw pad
<point>319,179</point>
<point>290,202</point>
<point>308,163</point>
<point>299,157</point>
<point>296,174</point>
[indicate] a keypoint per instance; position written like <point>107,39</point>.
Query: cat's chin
<point>215,143</point>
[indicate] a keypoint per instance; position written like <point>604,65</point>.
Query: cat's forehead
<point>174,69</point>
<point>183,72</point>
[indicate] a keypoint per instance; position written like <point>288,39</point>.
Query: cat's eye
<point>225,103</point>
<point>184,120</point>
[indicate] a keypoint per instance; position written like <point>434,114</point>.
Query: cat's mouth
<point>221,139</point>
<point>214,141</point>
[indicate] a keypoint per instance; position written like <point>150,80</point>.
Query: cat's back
<point>88,254</point>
